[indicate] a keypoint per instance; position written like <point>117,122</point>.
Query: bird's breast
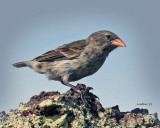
<point>87,65</point>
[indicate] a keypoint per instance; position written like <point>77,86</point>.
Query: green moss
<point>46,126</point>
<point>53,118</point>
<point>47,102</point>
<point>30,120</point>
<point>67,112</point>
<point>41,123</point>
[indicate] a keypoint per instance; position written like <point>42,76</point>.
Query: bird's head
<point>106,40</point>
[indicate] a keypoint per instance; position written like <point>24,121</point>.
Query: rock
<point>138,110</point>
<point>3,117</point>
<point>55,110</point>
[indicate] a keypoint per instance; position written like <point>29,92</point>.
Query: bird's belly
<point>86,68</point>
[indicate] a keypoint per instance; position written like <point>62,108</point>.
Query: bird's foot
<point>87,98</point>
<point>83,97</point>
<point>84,100</point>
<point>83,92</point>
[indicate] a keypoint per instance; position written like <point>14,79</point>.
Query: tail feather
<point>20,64</point>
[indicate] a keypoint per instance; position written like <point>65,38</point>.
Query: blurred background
<point>129,76</point>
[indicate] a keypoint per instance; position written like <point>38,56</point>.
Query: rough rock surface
<point>55,110</point>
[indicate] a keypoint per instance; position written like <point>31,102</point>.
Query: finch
<point>75,60</point>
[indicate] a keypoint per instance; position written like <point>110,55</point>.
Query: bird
<point>76,60</point>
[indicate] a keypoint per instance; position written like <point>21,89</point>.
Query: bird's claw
<point>85,101</point>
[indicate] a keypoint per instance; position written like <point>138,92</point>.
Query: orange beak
<point>118,42</point>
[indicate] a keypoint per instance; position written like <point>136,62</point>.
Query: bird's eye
<point>108,36</point>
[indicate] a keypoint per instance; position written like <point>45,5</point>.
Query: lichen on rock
<point>55,110</point>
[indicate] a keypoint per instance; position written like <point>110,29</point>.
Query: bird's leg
<point>78,91</point>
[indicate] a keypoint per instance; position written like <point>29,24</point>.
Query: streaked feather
<point>65,52</point>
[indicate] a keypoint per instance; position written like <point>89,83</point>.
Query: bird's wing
<point>65,52</point>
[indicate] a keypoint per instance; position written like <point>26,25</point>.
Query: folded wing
<point>65,52</point>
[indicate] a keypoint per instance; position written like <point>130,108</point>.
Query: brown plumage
<point>65,52</point>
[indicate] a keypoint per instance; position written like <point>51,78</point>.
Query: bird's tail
<point>20,64</point>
